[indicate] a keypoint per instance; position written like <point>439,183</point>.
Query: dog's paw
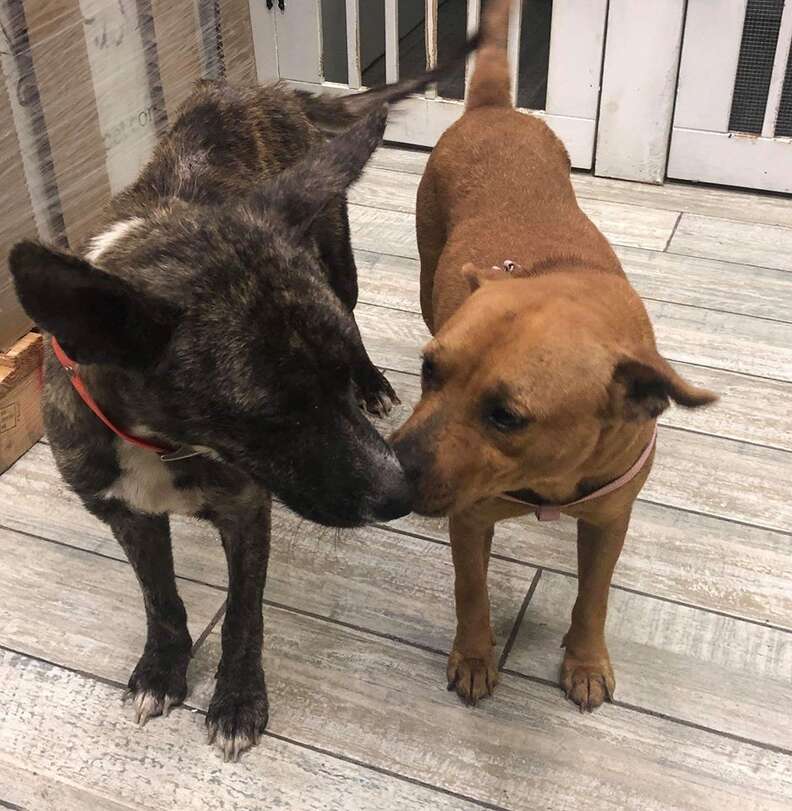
<point>588,683</point>
<point>375,394</point>
<point>158,682</point>
<point>472,678</point>
<point>236,719</point>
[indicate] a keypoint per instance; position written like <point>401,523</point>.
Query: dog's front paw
<point>588,681</point>
<point>473,678</point>
<point>158,682</point>
<point>237,716</point>
<point>374,393</point>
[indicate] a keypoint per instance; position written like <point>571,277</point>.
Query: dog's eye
<point>429,375</point>
<point>506,420</point>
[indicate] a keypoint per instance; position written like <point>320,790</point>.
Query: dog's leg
<point>239,709</point>
<point>430,231</point>
<point>586,672</point>
<point>159,681</point>
<point>472,669</point>
<point>372,389</point>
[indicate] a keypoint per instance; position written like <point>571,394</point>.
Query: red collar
<point>73,370</point>
<point>552,512</point>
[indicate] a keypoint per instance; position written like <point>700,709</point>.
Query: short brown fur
<point>560,348</point>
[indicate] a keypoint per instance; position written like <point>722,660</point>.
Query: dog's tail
<point>490,85</point>
<point>332,114</point>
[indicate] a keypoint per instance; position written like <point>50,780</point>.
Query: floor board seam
<point>703,307</point>
<point>507,648</point>
<point>209,628</point>
<point>673,232</point>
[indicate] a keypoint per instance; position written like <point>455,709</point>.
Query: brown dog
<point>541,387</point>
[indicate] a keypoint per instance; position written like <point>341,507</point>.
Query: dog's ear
<point>96,317</point>
<point>300,193</point>
<point>644,383</point>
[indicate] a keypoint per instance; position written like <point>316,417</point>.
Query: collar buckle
<point>182,452</point>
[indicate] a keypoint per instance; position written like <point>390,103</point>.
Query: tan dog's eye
<point>429,376</point>
<point>504,419</point>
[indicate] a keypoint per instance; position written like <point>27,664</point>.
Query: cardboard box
<point>86,87</point>
<point>20,399</point>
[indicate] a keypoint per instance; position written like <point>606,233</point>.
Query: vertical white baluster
<point>391,41</point>
<point>431,43</point>
<point>779,70</point>
<point>353,43</point>
<point>473,12</point>
<point>515,25</point>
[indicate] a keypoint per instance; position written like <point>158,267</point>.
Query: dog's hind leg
<point>239,709</point>
<point>159,680</point>
<point>374,392</point>
<point>586,673</point>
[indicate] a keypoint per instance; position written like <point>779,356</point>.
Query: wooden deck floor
<point>700,623</point>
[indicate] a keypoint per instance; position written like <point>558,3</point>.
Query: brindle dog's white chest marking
<point>146,484</point>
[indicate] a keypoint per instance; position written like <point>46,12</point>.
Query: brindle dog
<point>212,311</point>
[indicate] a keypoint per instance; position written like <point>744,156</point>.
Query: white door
<point>332,45</point>
<point>733,117</point>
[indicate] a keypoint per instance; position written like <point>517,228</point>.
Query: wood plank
<point>33,789</point>
<point>621,224</point>
<point>393,281</point>
<point>688,334</point>
<point>66,743</point>
<point>715,284</point>
<point>767,246</point>
<point>706,669</point>
<point>80,610</point>
<point>369,699</point>
<point>369,577</point>
<point>735,204</point>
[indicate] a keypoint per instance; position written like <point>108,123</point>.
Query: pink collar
<point>552,512</point>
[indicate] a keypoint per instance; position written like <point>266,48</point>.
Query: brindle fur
<point>224,321</point>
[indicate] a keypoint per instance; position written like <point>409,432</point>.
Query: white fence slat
<point>708,68</point>
<point>515,26</point>
<point>779,71</point>
<point>577,33</point>
<point>353,44</point>
<point>431,43</point>
<point>638,86</point>
<point>391,41</point>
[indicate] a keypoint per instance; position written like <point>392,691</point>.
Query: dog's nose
<point>395,500</point>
